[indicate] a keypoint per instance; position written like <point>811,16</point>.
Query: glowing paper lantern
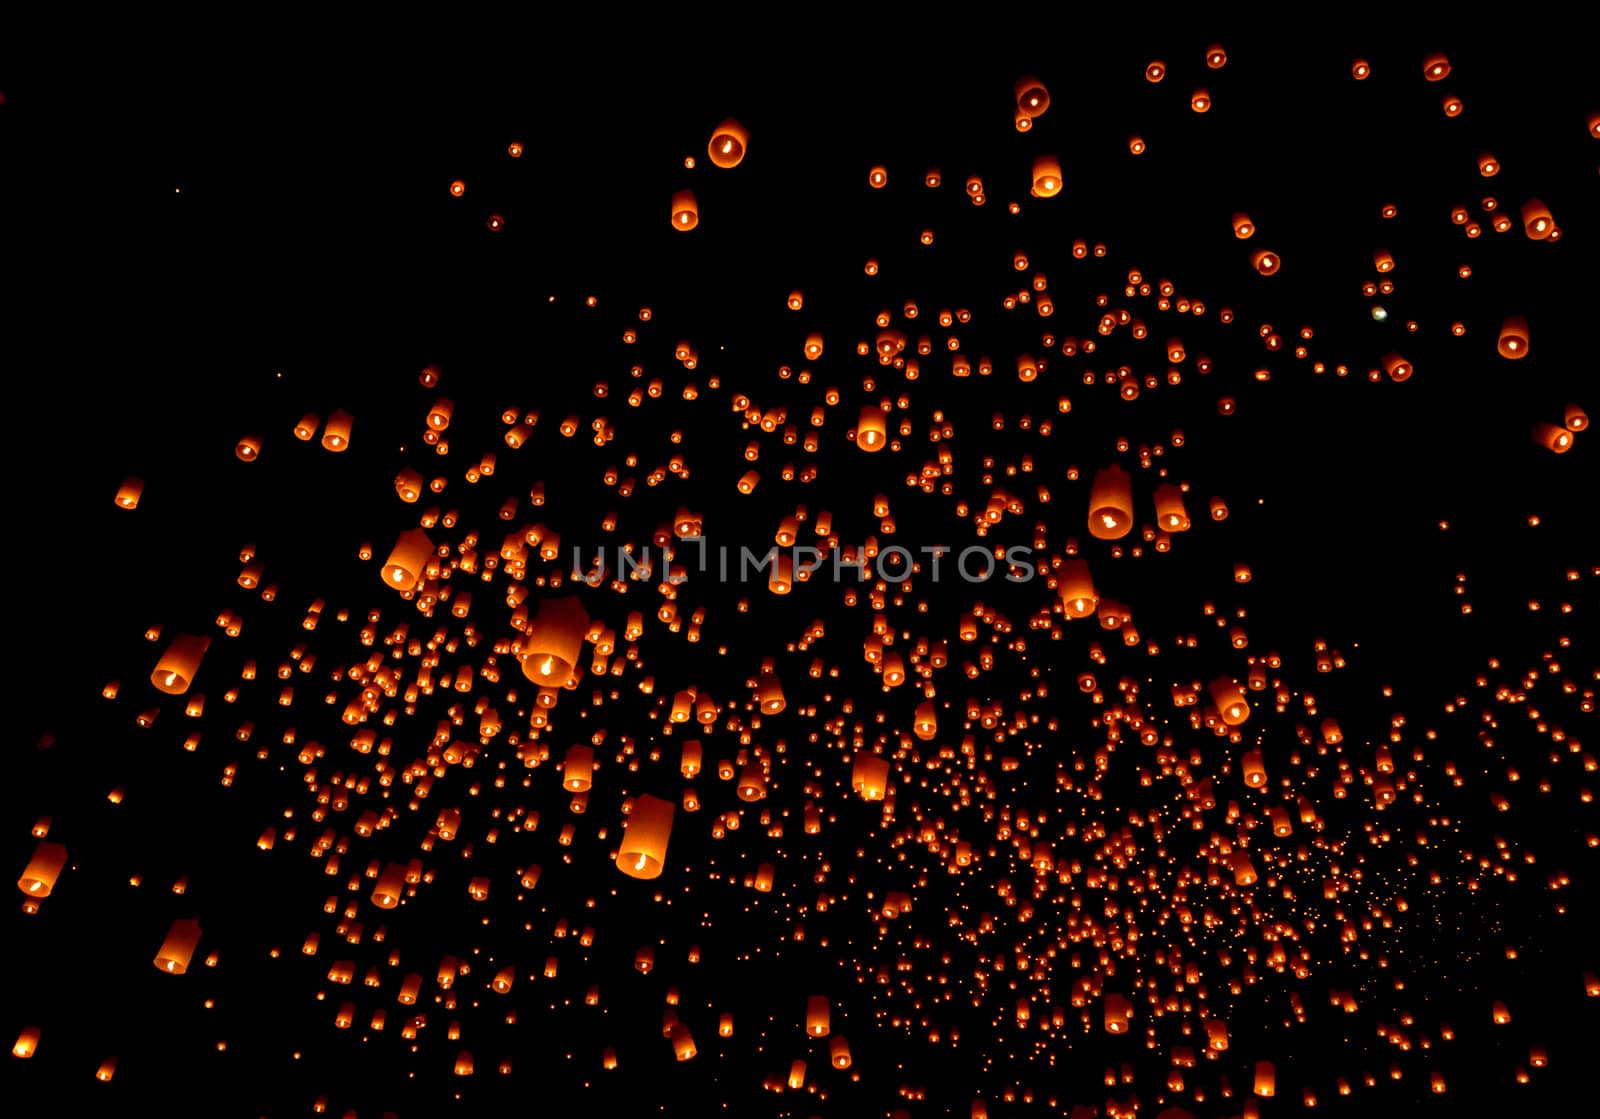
<point>1513,341</point>
<point>728,142</point>
<point>336,433</point>
<point>1046,176</point>
<point>1228,695</point>
<point>175,671</point>
<point>871,429</point>
<point>178,948</point>
<point>408,559</point>
<point>1078,596</point>
<point>643,851</point>
<point>554,642</point>
<point>685,211</point>
<point>1111,504</point>
<point>39,877</point>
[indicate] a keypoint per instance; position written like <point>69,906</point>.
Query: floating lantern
<point>643,851</point>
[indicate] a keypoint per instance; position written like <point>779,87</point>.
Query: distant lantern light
<point>685,211</point>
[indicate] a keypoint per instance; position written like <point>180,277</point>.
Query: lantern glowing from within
<point>40,875</point>
<point>178,948</point>
<point>27,1043</point>
<point>128,493</point>
<point>407,560</point>
<point>1266,1079</point>
<point>1536,220</point>
<point>1397,367</point>
<point>643,851</point>
<point>1513,343</point>
<point>769,693</point>
<point>1078,596</point>
<point>1243,227</point>
<point>391,885</point>
<point>1111,504</point>
<point>1216,1034</point>
<point>871,429</point>
<point>682,1041</point>
<point>839,1051</point>
<point>817,1015</point>
<point>1574,417</point>
<point>336,432</point>
<point>1553,437</point>
<point>1032,97</point>
<point>869,776</point>
<point>555,640</point>
<point>925,724</point>
<point>577,772</point>
<point>1118,1013</point>
<point>174,672</point>
<point>685,211</point>
<point>1228,695</point>
<point>1046,176</point>
<point>1265,261</point>
<point>728,142</point>
<point>248,448</point>
<point>1170,513</point>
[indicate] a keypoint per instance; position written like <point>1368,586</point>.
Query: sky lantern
<point>408,559</point>
<point>643,852</point>
<point>129,492</point>
<point>176,669</point>
<point>1032,97</point>
<point>577,770</point>
<point>728,143</point>
<point>1111,504</point>
<point>1229,696</point>
<point>685,211</point>
<point>1513,341</point>
<point>871,430</point>
<point>336,432</point>
<point>817,1017</point>
<point>1076,588</point>
<point>554,642</point>
<point>178,947</point>
<point>1046,176</point>
<point>39,876</point>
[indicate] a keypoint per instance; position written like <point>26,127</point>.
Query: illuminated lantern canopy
<point>769,693</point>
<point>1046,176</point>
<point>643,851</point>
<point>1032,97</point>
<point>1078,596</point>
<point>1228,695</point>
<point>336,433</point>
<point>926,723</point>
<point>128,493</point>
<point>1170,513</point>
<point>1553,437</point>
<point>39,877</point>
<point>682,1041</point>
<point>869,776</point>
<point>1536,220</point>
<point>1513,343</point>
<point>174,672</point>
<point>551,650</point>
<point>1118,1013</point>
<point>248,448</point>
<point>839,1051</point>
<point>728,142</point>
<point>577,771</point>
<point>1265,262</point>
<point>1243,227</point>
<point>27,1043</point>
<point>871,429</point>
<point>685,211</point>
<point>178,948</point>
<point>391,885</point>
<point>817,1015</point>
<point>1111,504</point>
<point>407,560</point>
<point>1266,1079</point>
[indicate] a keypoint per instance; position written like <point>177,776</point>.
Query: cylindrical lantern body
<point>178,948</point>
<point>174,672</point>
<point>39,877</point>
<point>728,142</point>
<point>554,641</point>
<point>871,429</point>
<point>408,559</point>
<point>1111,504</point>
<point>643,851</point>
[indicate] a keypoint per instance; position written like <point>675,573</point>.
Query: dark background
<point>205,245</point>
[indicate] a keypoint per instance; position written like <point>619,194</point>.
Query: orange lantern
<point>178,948</point>
<point>1032,97</point>
<point>1111,504</point>
<point>336,433</point>
<point>248,448</point>
<point>1170,513</point>
<point>1513,342</point>
<point>1076,587</point>
<point>685,211</point>
<point>871,428</point>
<point>817,1015</point>
<point>1046,176</point>
<point>555,639</point>
<point>728,142</point>
<point>643,851</point>
<point>39,877</point>
<point>577,770</point>
<point>1228,695</point>
<point>408,559</point>
<point>129,492</point>
<point>174,672</point>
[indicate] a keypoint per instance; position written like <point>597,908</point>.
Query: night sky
<point>1394,849</point>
